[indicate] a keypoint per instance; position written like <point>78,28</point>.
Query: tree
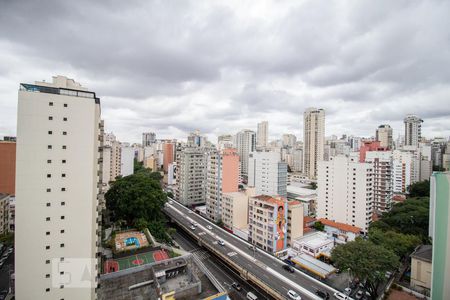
<point>319,226</point>
<point>409,217</point>
<point>313,185</point>
<point>366,261</point>
<point>419,189</point>
<point>401,244</point>
<point>138,200</point>
<point>138,165</point>
<point>7,239</point>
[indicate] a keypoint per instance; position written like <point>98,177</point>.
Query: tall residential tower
<point>314,139</point>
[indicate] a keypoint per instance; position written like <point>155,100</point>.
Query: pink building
<point>370,146</point>
<point>230,170</point>
<point>168,153</point>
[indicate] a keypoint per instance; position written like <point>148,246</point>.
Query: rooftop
<point>423,252</point>
<point>341,226</point>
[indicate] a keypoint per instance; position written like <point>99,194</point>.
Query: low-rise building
<point>340,232</point>
<point>421,261</point>
<point>308,198</point>
<point>235,209</point>
<point>314,244</point>
<point>295,221</point>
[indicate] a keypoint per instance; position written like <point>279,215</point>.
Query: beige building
<point>421,260</point>
<point>235,209</point>
<point>383,134</point>
<point>151,163</point>
<point>295,221</point>
<point>262,135</point>
<point>413,130</point>
<point>313,140</point>
<point>4,213</point>
<point>57,177</point>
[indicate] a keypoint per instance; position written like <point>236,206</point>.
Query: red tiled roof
<point>308,219</point>
<point>340,226</point>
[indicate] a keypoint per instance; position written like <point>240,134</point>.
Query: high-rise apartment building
<point>439,231</point>
<point>191,175</point>
<point>8,167</point>
<point>297,156</point>
<point>267,173</point>
<point>126,160</point>
<point>314,139</point>
<point>245,143</point>
<point>222,177</point>
<point>262,135</point>
<point>382,162</point>
<point>345,191</point>
<point>383,134</point>
<point>148,138</point>
<point>413,132</point>
<point>289,140</point>
<point>225,141</point>
<point>169,151</point>
<point>58,140</point>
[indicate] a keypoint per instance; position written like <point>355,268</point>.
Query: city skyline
<point>203,73</point>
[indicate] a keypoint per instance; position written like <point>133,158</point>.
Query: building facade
<point>262,135</point>
<point>58,140</point>
<point>267,173</point>
<point>413,130</point>
<point>8,167</point>
<point>382,162</point>
<point>314,139</point>
<point>148,138</point>
<point>383,134</point>
<point>245,144</point>
<point>345,191</point>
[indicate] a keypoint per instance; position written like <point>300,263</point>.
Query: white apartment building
<point>58,140</point>
<point>191,176</point>
<point>402,171</point>
<point>225,141</point>
<point>345,191</point>
<point>297,157</point>
<point>289,140</point>
<point>267,173</point>
<point>245,142</point>
<point>126,160</point>
<point>314,139</point>
<point>382,162</point>
<point>262,135</point>
<point>148,138</point>
<point>413,130</point>
<point>383,134</point>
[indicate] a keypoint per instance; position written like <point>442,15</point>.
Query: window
<point>47,275</point>
<point>47,233</point>
<point>48,203</point>
<point>62,231</point>
<point>64,119</point>
<point>50,132</point>
<point>47,219</point>
<point>63,161</point>
<point>49,147</point>
<point>49,190</point>
<point>62,217</point>
<point>49,161</point>
<point>47,289</point>
<point>64,147</point>
<point>61,286</point>
<point>61,273</point>
<point>63,189</point>
<point>61,245</point>
<point>49,175</point>
<point>50,104</point>
<point>64,133</point>
<point>63,203</point>
<point>47,247</point>
<point>63,175</point>
<point>65,104</point>
<point>50,118</point>
<point>61,259</point>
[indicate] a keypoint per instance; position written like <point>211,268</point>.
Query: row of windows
<point>48,218</point>
<point>61,231</point>
<point>51,104</point>
<point>50,118</point>
<point>50,175</point>
<point>49,161</point>
<point>51,147</point>
<point>48,246</point>
<point>62,203</point>
<point>62,190</point>
<point>51,132</point>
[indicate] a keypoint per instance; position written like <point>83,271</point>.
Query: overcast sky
<point>175,66</point>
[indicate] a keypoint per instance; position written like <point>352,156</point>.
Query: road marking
<point>232,253</point>
<point>202,233</point>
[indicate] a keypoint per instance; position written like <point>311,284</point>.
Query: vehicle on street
<point>293,295</point>
<point>322,294</point>
<point>220,242</point>
<point>193,227</point>
<point>251,296</point>
<point>340,296</point>
<point>288,268</point>
<point>348,291</point>
<point>209,227</point>
<point>289,262</point>
<point>359,294</point>
<point>3,294</point>
<point>194,224</point>
<point>237,286</point>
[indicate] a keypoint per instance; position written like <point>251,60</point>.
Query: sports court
<point>114,265</point>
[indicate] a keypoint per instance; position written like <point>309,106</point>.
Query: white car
<point>194,224</point>
<point>347,291</point>
<point>209,227</point>
<point>193,227</point>
<point>221,243</point>
<point>340,296</point>
<point>293,295</point>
